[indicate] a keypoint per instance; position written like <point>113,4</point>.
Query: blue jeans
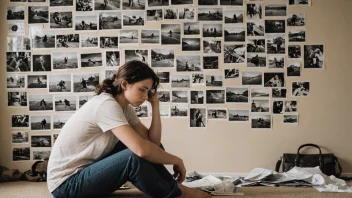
<point>103,177</point>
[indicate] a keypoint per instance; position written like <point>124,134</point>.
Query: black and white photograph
<point>213,80</point>
<point>180,80</point>
<point>188,63</point>
<point>276,61</point>
<point>290,106</point>
<point>164,96</point>
<point>107,5</point>
<point>215,96</point>
<point>191,28</point>
<point>85,82</point>
<point>16,81</point>
<point>89,41</point>
<point>15,12</point>
<point>278,92</point>
<point>234,34</point>
<point>290,119</point>
<point>18,43</point>
<point>231,73</point>
<point>112,20</point>
<point>60,83</point>
<point>198,117</point>
<point>198,79</point>
<point>211,62</point>
<point>256,60</point>
<point>300,89</point>
<point>197,96</point>
<point>82,99</point>
<point>42,38</point>
<point>186,13</point>
<point>294,51</point>
<point>254,11</point>
<point>234,53</point>
<point>190,44</point>
<point>17,99</point>
<point>296,19</point>
<point>170,34</point>
<point>207,2</point>
<point>261,121</point>
<point>154,3</point>
<point>212,46</point>
<point>133,18</point>
<point>67,40</point>
<point>65,103</point>
<point>112,58</point>
<point>86,22</point>
<point>238,115</point>
<point>110,73</point>
<point>260,106</point>
<point>314,56</point>
<point>278,107</point>
<point>179,96</point>
<point>40,102</point>
<point>259,92</point>
<point>182,2</point>
<point>231,2</point>
<point>233,16</point>
<point>110,42</point>
<point>255,28</point>
<point>128,37</point>
<point>164,77</point>
<point>210,14</point>
<point>275,26</point>
<point>20,137</point>
<point>84,5</point>
<point>256,45</point>
<point>37,81</point>
<point>272,10</point>
<point>163,58</point>
<point>252,78</point>
<point>40,140</point>
<point>150,37</point>
<point>41,62</point>
<point>155,15</point>
<point>297,35</point>
<point>275,43</point>
<point>20,121</point>
<point>55,136</point>
<point>42,122</point>
<point>237,94</point>
<point>179,110</point>
<point>38,14</point>
<point>274,79</point>
<point>65,60</point>
<point>16,28</point>
<point>61,20</point>
<point>142,111</point>
<point>41,155</point>
<point>17,1</point>
<point>217,114</point>
<point>212,30</point>
<point>299,2</point>
<point>170,14</point>
<point>91,60</point>
<point>294,69</point>
<point>140,55</point>
<point>61,3</point>
<point>21,154</point>
<point>134,4</point>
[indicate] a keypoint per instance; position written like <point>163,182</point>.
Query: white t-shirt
<point>86,137</point>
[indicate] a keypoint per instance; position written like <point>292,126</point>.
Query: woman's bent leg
<point>105,176</point>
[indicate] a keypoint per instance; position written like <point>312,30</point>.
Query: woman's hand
<point>179,172</point>
<point>153,97</point>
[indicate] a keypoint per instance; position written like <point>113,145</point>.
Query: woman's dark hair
<point>132,72</point>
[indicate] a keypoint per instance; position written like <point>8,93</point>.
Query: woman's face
<point>276,77</point>
<point>137,93</point>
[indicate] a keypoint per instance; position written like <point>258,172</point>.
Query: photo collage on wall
<point>225,60</point>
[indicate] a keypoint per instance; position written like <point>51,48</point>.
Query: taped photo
<point>198,117</point>
<point>278,92</point>
<point>84,5</point>
<point>65,60</point>
<point>150,37</point>
<point>198,79</point>
<point>252,78</point>
<point>255,28</point>
<point>186,13</point>
<point>233,16</point>
<point>275,26</point>
<point>128,37</point>
<point>91,60</point>
<point>61,3</point>
<point>188,63</point>
<point>238,115</point>
<point>294,51</point>
<point>40,122</point>
<point>181,2</point>
<point>134,4</point>
<point>38,14</point>
<point>170,34</point>
<point>300,89</point>
<point>41,38</point>
<point>276,43</point>
<point>154,3</point>
<point>254,11</point>
<point>67,41</point>
<point>234,34</point>
<point>211,62</point>
<point>60,83</point>
<point>300,2</point>
<point>261,121</point>
<point>16,28</point>
<point>276,61</point>
<point>142,111</point>
<point>231,73</point>
<point>297,35</point>
<point>110,20</point>
<point>107,5</point>
<point>294,69</point>
<point>237,95</point>
<point>17,99</point>
<point>40,141</point>
<point>109,42</point>
<point>37,81</point>
<point>65,103</point>
<point>164,96</point>
<point>112,58</point>
<point>41,62</point>
<point>290,119</point>
<point>164,77</point>
<point>61,20</point>
<point>86,22</point>
<point>16,81</point>
<point>140,55</point>
<point>40,102</point>
<point>274,79</point>
<point>170,14</point>
<point>256,60</point>
<point>234,53</point>
<point>179,110</point>
<point>215,96</point>
<point>180,80</point>
<point>20,154</point>
<point>85,82</point>
<point>256,45</point>
<point>197,97</point>
<point>20,121</point>
<point>191,28</point>
<point>41,155</point>
<point>217,114</point>
<point>259,92</point>
<point>15,13</point>
<point>275,10</point>
<point>296,19</point>
<point>59,120</point>
<point>278,107</point>
<point>212,30</point>
<point>163,58</point>
<point>179,96</point>
<point>20,137</point>
<point>291,106</point>
<point>314,56</point>
<point>213,80</point>
<point>155,15</point>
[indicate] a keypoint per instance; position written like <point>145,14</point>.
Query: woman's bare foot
<point>192,193</point>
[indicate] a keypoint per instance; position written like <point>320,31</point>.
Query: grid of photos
<point>197,48</point>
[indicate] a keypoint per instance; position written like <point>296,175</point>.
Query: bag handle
<point>313,145</point>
